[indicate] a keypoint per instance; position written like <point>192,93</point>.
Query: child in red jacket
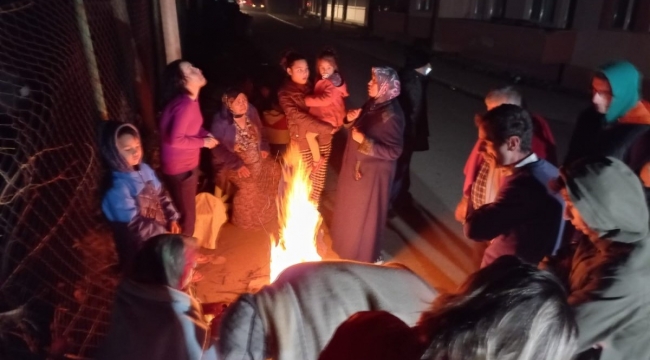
<point>327,102</point>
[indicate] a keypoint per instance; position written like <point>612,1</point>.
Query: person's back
<point>152,318</point>
<point>301,310</point>
<point>508,310</point>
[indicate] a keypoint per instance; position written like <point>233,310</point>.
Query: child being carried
<point>326,103</point>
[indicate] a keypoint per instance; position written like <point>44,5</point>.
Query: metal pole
<point>91,60</point>
<point>170,30</point>
<point>432,24</point>
<point>332,19</point>
<point>323,12</point>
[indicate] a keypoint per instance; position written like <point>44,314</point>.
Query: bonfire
<point>298,217</point>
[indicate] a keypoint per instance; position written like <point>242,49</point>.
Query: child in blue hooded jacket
<point>136,204</point>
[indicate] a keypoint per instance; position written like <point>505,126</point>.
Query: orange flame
<point>298,216</point>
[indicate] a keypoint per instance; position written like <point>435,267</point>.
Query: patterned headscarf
<point>388,82</point>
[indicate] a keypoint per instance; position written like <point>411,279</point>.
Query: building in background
<point>349,11</point>
<point>559,41</point>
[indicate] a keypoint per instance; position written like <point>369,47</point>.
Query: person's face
<point>325,69</point>
<point>238,105</point>
<point>373,87</point>
<point>299,72</point>
<point>572,214</point>
<point>194,78</point>
<point>601,94</point>
<point>498,154</point>
<point>130,149</point>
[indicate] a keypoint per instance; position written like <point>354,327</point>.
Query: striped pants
<point>318,178</point>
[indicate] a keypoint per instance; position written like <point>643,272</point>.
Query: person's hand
<point>358,136</point>
<point>174,228</point>
<point>357,171</point>
<point>243,172</point>
<point>461,210</point>
<point>210,142</point>
<point>264,154</point>
<point>353,114</point>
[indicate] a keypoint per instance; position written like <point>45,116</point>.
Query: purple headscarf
<point>388,83</point>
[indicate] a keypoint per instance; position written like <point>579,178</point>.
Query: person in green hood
<point>618,124</point>
<point>608,270</point>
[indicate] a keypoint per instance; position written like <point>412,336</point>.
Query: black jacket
<point>413,100</point>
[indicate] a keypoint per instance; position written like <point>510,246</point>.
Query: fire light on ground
<point>298,217</point>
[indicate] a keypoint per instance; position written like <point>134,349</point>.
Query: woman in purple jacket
<point>183,137</point>
<point>243,156</point>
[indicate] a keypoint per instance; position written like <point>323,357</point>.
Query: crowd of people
<point>565,271</point>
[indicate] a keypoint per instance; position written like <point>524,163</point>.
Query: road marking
<point>285,21</point>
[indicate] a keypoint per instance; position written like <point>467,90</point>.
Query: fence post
<point>91,60</point>
<point>170,30</point>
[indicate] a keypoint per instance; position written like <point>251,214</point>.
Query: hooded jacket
<point>327,102</point>
<point>624,131</point>
<point>136,204</point>
<point>609,278</point>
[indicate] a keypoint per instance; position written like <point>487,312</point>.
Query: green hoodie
<point>625,81</point>
<point>610,277</point>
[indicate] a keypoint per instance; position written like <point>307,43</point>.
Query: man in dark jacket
<point>618,124</point>
<point>413,100</point>
<point>526,218</point>
<point>608,271</point>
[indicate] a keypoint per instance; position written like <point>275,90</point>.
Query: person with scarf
<point>363,192</point>
<point>243,154</point>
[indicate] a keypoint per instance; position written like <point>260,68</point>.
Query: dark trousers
<point>399,193</point>
<point>182,189</point>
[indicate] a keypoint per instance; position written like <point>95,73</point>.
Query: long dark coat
<point>362,205</point>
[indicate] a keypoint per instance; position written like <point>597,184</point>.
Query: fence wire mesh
<point>57,257</point>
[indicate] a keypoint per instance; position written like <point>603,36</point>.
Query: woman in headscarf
<point>243,155</point>
<point>373,146</point>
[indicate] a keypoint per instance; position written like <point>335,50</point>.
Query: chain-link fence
<point>64,65</point>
